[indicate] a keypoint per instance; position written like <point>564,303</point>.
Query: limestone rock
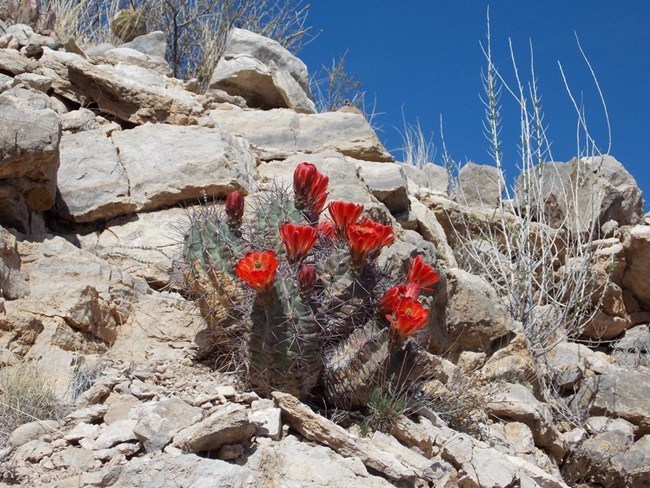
<point>187,470</point>
<point>480,465</point>
<point>395,465</point>
<point>153,44</point>
<point>587,191</point>
<point>265,50</point>
<point>146,168</point>
<point>29,151</point>
<point>621,393</point>
<point>12,62</point>
<point>479,185</point>
<point>516,402</point>
<point>291,463</point>
<point>636,241</point>
<point>229,425</point>
<point>279,133</point>
<point>388,184</point>
<point>158,422</point>
<point>12,282</point>
<point>131,56</point>
<point>475,317</point>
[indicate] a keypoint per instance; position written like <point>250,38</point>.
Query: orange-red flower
<point>307,278</point>
<point>235,208</point>
<point>298,240</point>
<point>344,214</point>
<point>258,269</point>
<point>422,274</point>
<point>310,189</point>
<point>389,302</point>
<point>409,315</point>
<point>366,237</point>
<point>326,229</point>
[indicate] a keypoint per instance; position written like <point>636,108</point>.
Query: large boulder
<point>29,155</point>
<point>263,72</point>
<point>131,93</point>
<point>583,193</point>
<point>280,133</point>
<point>146,168</point>
<point>479,185</point>
<point>636,242</point>
<point>475,316</point>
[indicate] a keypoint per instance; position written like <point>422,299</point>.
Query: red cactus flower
<point>307,278</point>
<point>235,208</point>
<point>298,240</point>
<point>389,302</point>
<point>344,214</point>
<point>408,316</point>
<point>258,269</point>
<point>303,176</point>
<point>310,189</point>
<point>423,274</point>
<point>326,229</point>
<point>368,236</point>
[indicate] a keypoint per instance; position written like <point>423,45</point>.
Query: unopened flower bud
<point>235,208</point>
<point>307,278</point>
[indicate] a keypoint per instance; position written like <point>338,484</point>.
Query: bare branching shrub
<point>25,396</point>
<point>196,31</point>
<point>334,87</point>
<point>543,270</point>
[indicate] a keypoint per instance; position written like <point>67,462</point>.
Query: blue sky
<point>422,59</point>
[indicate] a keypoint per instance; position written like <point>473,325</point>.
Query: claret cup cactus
<point>298,299</point>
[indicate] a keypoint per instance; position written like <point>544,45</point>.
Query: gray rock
<point>481,465</point>
<point>117,433</point>
<point>568,364</point>
<point>290,463</point>
<point>12,281</point>
<point>93,182</point>
<point>387,183</point>
<point>479,185</point>
<point>228,425</point>
<point>186,470</point>
<point>262,86</point>
<point>152,44</point>
<point>127,55</point>
<point>265,50</point>
<point>475,316</point>
<point>620,393</point>
<point>158,422</point>
<point>438,177</point>
<point>32,431</point>
<point>636,242</point>
<point>13,62</point>
<point>515,402</point>
<point>29,149</point>
<point>33,80</point>
<point>585,192</point>
<point>279,133</point>
<point>146,168</point>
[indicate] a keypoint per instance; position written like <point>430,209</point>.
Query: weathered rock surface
<point>280,133</point>
<point>636,241</point>
<point>475,318</point>
<point>479,185</point>
<point>587,192</point>
<point>29,155</point>
<point>147,168</point>
<point>621,393</point>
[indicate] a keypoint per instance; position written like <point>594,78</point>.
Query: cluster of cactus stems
<point>301,295</point>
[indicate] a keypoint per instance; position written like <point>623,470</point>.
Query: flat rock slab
<point>147,168</point>
<point>279,133</point>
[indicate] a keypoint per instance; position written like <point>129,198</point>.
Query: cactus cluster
<point>299,297</point>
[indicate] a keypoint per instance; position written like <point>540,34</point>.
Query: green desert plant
<point>300,300</point>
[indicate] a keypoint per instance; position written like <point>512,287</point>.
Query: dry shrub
<point>25,396</point>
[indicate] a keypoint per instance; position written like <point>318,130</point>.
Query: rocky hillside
<point>104,157</point>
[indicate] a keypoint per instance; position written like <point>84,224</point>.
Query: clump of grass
<point>383,411</point>
<point>25,396</point>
